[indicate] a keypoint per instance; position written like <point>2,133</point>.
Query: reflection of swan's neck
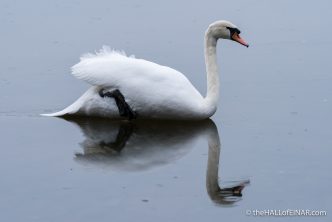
<point>213,161</point>
<point>219,195</point>
<point>212,94</point>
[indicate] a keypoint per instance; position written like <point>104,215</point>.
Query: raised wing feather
<point>112,68</point>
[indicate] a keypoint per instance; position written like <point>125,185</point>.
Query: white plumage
<point>151,90</point>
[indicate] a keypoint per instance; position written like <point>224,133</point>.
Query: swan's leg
<point>124,109</point>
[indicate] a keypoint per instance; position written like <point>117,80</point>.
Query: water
<point>273,117</point>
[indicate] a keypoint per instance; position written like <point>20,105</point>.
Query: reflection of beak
<point>236,37</point>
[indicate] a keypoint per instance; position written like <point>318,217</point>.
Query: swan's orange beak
<point>236,37</point>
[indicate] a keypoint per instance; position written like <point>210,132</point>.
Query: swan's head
<point>225,30</point>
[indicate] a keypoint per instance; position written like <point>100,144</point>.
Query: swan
<point>124,87</point>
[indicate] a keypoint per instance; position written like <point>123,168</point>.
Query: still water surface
<point>272,128</point>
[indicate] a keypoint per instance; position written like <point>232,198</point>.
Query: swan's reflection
<point>142,145</point>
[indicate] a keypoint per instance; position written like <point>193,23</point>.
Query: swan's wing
<point>154,90</point>
<point>113,68</point>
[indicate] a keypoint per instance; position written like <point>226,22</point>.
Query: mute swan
<point>126,87</point>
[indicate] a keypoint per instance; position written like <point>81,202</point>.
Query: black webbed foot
<point>124,109</point>
<point>101,93</point>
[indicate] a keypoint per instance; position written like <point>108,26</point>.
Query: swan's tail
<point>72,109</point>
<point>57,114</point>
<point>76,107</point>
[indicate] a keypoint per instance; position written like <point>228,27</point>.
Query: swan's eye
<point>233,30</point>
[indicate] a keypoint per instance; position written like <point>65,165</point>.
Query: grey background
<point>273,116</point>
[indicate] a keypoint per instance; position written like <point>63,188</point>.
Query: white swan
<point>126,87</point>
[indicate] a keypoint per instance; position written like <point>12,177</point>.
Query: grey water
<point>269,141</point>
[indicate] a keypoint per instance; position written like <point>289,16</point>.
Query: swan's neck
<point>212,94</point>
